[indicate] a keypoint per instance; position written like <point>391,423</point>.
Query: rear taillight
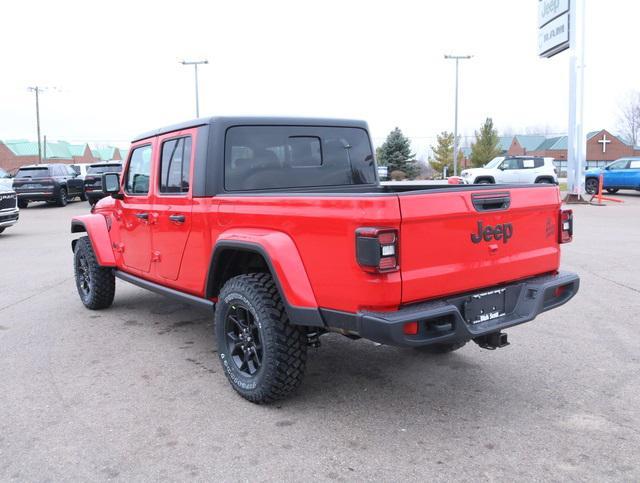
<point>377,249</point>
<point>565,226</point>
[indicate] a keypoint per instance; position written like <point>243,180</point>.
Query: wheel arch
<point>95,226</point>
<point>545,177</point>
<point>272,252</point>
<point>491,179</point>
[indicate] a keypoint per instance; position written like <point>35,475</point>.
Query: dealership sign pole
<point>561,27</point>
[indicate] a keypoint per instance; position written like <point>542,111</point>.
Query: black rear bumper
<point>443,321</point>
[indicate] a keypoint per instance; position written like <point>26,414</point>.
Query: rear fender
<point>95,226</point>
<point>285,264</point>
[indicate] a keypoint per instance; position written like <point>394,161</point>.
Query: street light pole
<point>195,64</point>
<point>37,90</point>
<point>457,58</point>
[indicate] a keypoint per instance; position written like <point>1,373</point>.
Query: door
<point>530,168</point>
<point>509,171</point>
<point>75,185</point>
<point>173,202</point>
<point>615,174</point>
<point>633,175</point>
<point>135,210</point>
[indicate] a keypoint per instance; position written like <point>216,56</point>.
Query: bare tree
<point>629,118</point>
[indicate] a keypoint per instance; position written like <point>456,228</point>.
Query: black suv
<point>93,179</point>
<point>56,183</point>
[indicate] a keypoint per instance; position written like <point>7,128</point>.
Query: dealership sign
<point>553,27</point>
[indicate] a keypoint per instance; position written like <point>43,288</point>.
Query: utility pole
<point>195,64</point>
<point>37,90</point>
<point>457,58</point>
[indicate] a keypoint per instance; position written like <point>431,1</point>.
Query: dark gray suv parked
<point>56,183</point>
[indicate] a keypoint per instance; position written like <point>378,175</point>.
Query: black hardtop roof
<point>254,121</point>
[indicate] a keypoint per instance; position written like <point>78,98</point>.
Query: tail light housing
<point>377,249</point>
<point>565,226</point>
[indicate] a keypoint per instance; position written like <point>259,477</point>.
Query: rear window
<point>32,173</point>
<point>269,157</point>
<point>104,168</point>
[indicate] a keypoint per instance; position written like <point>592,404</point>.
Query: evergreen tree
<point>396,154</point>
<point>487,145</point>
<point>443,153</point>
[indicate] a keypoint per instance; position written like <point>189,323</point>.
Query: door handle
<point>177,218</point>
<point>142,216</point>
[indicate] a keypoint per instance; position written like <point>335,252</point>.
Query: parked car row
<point>58,183</point>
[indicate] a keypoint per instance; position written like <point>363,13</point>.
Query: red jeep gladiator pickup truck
<point>282,227</point>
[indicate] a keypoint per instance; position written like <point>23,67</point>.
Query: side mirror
<point>111,185</point>
<point>501,167</point>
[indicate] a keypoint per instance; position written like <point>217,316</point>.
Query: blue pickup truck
<point>622,174</point>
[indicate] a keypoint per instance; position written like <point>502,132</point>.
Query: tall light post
<point>195,64</point>
<point>37,91</point>
<point>457,58</point>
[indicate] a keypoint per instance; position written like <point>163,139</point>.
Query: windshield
<point>494,162</point>
<point>104,168</point>
<point>32,173</point>
<point>3,173</point>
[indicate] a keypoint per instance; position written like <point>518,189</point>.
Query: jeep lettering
<point>500,232</point>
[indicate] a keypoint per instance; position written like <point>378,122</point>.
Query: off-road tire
<point>483,181</point>
<point>544,181</point>
<point>62,199</point>
<point>283,346</point>
<point>612,190</point>
<point>101,284</point>
<point>442,348</point>
<point>22,204</point>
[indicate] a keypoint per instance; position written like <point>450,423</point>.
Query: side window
<point>510,163</point>
<point>175,165</point>
<point>634,165</point>
<point>539,163</point>
<point>137,182</point>
<point>622,164</point>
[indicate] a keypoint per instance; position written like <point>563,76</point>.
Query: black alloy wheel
<point>243,339</point>
<point>591,186</point>
<point>83,275</point>
<point>96,285</point>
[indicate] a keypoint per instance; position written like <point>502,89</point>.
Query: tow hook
<point>492,341</point>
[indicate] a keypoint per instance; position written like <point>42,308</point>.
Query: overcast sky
<point>116,64</point>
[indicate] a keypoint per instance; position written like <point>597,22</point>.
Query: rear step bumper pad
<point>443,321</point>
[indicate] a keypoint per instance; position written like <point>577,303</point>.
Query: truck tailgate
<point>463,240</point>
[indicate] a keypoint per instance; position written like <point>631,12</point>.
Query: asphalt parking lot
<point>136,392</point>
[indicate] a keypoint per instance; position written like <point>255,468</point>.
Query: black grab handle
<point>491,201</point>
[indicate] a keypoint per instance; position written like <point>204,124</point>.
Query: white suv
<point>513,169</point>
